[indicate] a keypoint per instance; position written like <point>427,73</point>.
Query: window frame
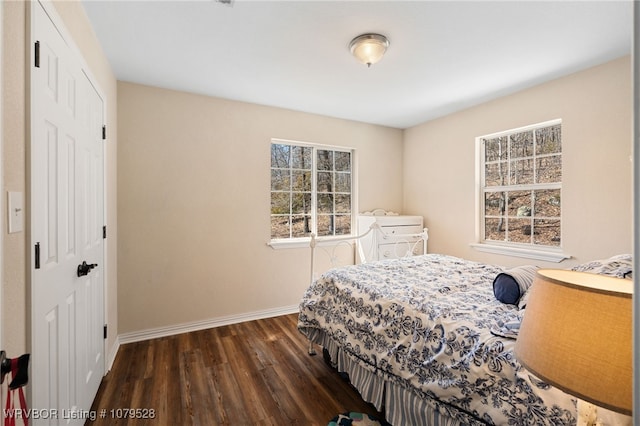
<point>510,248</point>
<point>299,242</point>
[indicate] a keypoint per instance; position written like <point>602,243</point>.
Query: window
<point>520,176</point>
<point>311,190</point>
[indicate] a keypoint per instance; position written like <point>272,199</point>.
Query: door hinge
<point>105,331</point>
<point>104,232</point>
<point>104,133</point>
<point>37,256</point>
<point>37,55</point>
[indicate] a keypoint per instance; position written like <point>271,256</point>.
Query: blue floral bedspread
<point>426,322</point>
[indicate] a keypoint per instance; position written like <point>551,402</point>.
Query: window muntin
<point>311,190</point>
<point>521,186</point>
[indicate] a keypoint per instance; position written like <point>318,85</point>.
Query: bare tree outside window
<point>522,182</point>
<point>310,191</point>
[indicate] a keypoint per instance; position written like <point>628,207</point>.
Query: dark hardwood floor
<point>253,373</point>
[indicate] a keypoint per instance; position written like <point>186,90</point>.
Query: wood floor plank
<point>253,373</point>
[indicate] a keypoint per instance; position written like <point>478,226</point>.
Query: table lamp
<point>576,335</point>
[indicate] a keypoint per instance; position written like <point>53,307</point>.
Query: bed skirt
<point>402,404</point>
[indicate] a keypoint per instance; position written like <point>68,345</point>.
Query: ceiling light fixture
<point>369,48</point>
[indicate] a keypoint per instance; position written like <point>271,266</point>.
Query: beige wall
<point>15,76</point>
<point>14,289</point>
<point>595,107</point>
<point>194,203</point>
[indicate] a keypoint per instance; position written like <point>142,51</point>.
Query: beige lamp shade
<point>576,335</point>
<point>369,48</point>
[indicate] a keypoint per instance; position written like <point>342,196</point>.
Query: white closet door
<point>66,227</point>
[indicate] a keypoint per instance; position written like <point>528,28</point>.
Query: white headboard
<point>331,247</point>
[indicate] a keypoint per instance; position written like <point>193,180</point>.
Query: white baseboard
<point>112,354</point>
<point>154,333</point>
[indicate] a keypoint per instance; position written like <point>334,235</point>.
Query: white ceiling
<point>444,55</point>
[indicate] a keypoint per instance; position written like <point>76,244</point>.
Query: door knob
<point>84,268</point>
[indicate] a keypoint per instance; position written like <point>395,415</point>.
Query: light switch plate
<point>16,212</point>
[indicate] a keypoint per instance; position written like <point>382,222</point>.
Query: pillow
<point>510,285</point>
<point>522,303</point>
<point>506,289</point>
<point>620,266</point>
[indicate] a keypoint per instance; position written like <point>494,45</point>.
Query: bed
<point>426,341</point>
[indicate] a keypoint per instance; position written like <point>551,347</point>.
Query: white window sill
<point>548,256</point>
<point>277,245</point>
<point>306,242</point>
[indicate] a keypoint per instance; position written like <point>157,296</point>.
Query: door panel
<point>67,189</point>
<point>92,209</point>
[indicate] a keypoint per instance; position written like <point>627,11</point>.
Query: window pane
<point>343,182</point>
<point>494,229</point>
<point>549,169</point>
<point>343,161</point>
<point>494,203</point>
<point>520,203</point>
<point>325,160</point>
<point>301,203</point>
<point>519,231</point>
<point>300,226</point>
<point>325,182</point>
<point>301,180</point>
<point>495,149</point>
<point>496,174</point>
<point>547,232</point>
<point>301,157</point>
<point>521,172</point>
<point>325,225</point>
<point>343,203</point>
<point>547,203</point>
<point>280,180</point>
<point>325,203</point>
<point>279,226</point>
<point>280,155</point>
<point>518,163</point>
<point>548,140</point>
<point>280,203</point>
<point>521,145</point>
<point>301,183</point>
<point>343,224</point>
